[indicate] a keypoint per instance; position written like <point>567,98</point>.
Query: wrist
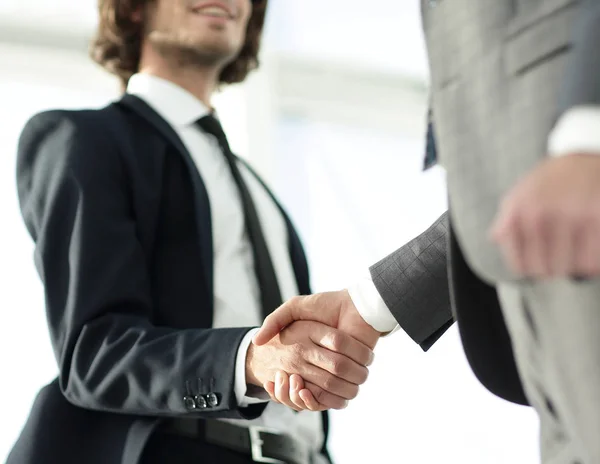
<point>251,379</point>
<point>369,304</point>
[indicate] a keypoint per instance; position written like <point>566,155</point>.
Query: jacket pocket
<point>538,37</point>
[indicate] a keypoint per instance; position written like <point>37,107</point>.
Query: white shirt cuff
<point>577,131</point>
<point>245,394</point>
<point>371,306</point>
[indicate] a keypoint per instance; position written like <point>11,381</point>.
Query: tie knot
<point>212,126</point>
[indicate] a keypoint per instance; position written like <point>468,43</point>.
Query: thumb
<point>275,323</point>
<point>320,307</point>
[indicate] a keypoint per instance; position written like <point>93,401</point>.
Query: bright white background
<point>335,121</point>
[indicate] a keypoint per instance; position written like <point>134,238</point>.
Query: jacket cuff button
<point>212,399</point>
<point>201,402</point>
<point>189,403</point>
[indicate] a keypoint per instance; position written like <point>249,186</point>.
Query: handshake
<point>312,352</point>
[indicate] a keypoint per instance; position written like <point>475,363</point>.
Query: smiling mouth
<point>214,12</point>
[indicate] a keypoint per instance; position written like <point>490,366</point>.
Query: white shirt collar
<point>176,105</point>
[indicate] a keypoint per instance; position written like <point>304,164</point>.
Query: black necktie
<point>431,155</point>
<point>265,272</point>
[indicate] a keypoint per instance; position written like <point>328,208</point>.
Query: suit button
<point>200,402</point>
<point>212,399</point>
<point>189,403</point>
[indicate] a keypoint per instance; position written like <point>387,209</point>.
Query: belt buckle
<point>256,444</point>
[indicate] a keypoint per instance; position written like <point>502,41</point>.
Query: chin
<point>217,45</point>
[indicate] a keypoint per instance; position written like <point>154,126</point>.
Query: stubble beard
<point>184,52</point>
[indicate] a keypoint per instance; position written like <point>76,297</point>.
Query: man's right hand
<point>334,309</point>
<point>331,361</point>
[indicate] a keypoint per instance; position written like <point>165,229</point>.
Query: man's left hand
<point>549,224</point>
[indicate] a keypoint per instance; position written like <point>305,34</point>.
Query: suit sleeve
<point>413,283</point>
<point>73,192</point>
<point>583,79</point>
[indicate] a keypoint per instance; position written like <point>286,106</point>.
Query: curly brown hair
<point>118,41</point>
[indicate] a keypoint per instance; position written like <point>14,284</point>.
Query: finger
<point>535,251</point>
<point>561,261</point>
<point>325,398</point>
<point>340,342</point>
<point>506,232</point>
<point>327,381</point>
<point>282,390</point>
<point>310,401</point>
<point>297,384</point>
<point>277,321</point>
<point>586,261</point>
<point>270,389</point>
<point>339,365</point>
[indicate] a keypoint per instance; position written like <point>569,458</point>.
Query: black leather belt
<point>265,445</point>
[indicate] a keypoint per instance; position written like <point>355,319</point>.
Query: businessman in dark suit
<point>515,98</point>
<point>160,253</point>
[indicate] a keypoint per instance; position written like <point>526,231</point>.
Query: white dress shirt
<point>236,292</point>
<point>577,131</point>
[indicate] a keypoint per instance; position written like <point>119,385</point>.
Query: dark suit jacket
<point>122,225</point>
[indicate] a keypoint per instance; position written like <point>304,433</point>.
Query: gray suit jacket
<point>502,72</point>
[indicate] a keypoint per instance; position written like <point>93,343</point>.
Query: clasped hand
<point>326,352</point>
<point>549,223</point>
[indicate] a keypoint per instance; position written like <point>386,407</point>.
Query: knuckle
<point>296,300</point>
<point>297,350</point>
<point>534,221</point>
<point>337,341</point>
<point>294,366</point>
<point>291,364</point>
<point>314,299</point>
<point>330,383</point>
<point>340,366</point>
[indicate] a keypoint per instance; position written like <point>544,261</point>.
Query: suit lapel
<point>201,200</point>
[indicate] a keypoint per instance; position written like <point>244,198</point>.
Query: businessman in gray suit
<point>516,109</point>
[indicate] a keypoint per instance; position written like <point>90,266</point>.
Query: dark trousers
<point>171,449</point>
